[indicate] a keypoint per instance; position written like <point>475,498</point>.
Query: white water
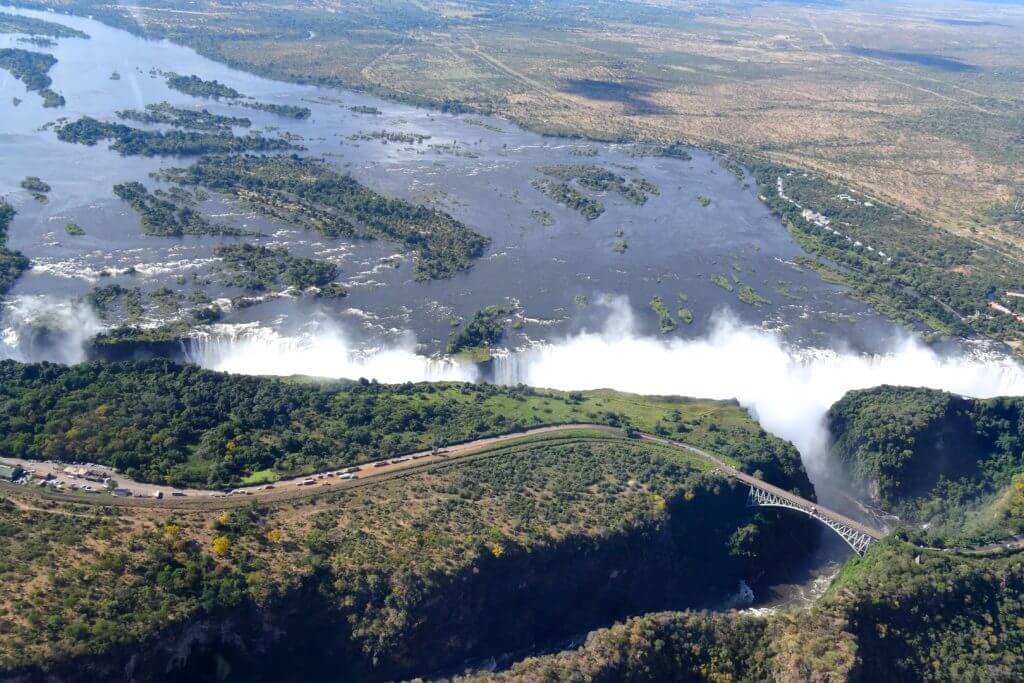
<point>38,328</point>
<point>788,389</point>
<point>325,351</point>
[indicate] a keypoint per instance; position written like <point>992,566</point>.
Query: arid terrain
<point>915,104</point>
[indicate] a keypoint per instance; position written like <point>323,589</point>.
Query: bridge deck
<point>796,501</point>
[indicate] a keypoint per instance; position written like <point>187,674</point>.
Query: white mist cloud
<point>323,352</point>
<point>788,389</point>
<point>44,328</point>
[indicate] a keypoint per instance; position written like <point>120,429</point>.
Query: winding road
<point>856,534</point>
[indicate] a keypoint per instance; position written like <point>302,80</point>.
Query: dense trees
<point>180,424</point>
<point>197,87</point>
<point>290,111</point>
<point>467,559</point>
<point>261,268</point>
<point>906,269</point>
<point>30,68</point>
<point>165,218</point>
<point>133,141</point>
<point>602,180</point>
<point>14,23</point>
<point>565,194</point>
<point>933,456</point>
<point>12,263</point>
<point>484,329</point>
<point>164,112</point>
<point>312,194</point>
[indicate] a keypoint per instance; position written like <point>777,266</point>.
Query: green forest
<point>260,268</point>
<point>165,218</point>
<point>385,563</point>
<point>178,424</point>
<point>31,69</point>
<point>484,329</point>
<point>198,87</point>
<point>134,141</point>
<point>956,463</point>
<point>912,272</point>
<point>312,194</point>
<point>201,119</point>
<point>12,263</point>
<point>897,614</point>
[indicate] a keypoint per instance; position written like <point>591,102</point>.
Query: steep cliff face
<point>899,442</point>
<point>519,600</point>
<point>934,457</point>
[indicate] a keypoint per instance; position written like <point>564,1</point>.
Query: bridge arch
<point>856,536</point>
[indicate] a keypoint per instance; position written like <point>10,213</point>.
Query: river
<point>477,168</point>
<point>584,319</point>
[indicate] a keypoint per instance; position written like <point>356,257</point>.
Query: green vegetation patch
<point>290,111</point>
<point>31,69</point>
<point>929,616</point>
<point>565,194</point>
<point>722,281</point>
<point>542,217</point>
<point>953,462</point>
<point>107,299</point>
<point>665,322</point>
<point>165,112</point>
<point>37,187</point>
<point>198,87</point>
<point>387,559</point>
<point>164,218</point>
<point>183,425</point>
<point>74,229</point>
<point>395,136</point>
<point>261,268</point>
<point>901,266</point>
<point>134,141</point>
<point>13,23</point>
<point>749,295</point>
<point>484,329</point>
<point>675,150</point>
<point>12,263</point>
<point>602,180</point>
<point>312,194</point>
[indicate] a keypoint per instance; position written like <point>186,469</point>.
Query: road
<point>390,466</point>
<point>411,463</point>
<point>171,495</point>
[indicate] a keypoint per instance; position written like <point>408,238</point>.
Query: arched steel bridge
<point>762,494</point>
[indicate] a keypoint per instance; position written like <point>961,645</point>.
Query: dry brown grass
<point>776,79</point>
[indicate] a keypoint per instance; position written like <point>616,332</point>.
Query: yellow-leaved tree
<point>221,545</point>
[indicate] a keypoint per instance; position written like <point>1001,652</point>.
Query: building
<point>11,472</point>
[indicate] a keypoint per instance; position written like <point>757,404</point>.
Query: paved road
<point>171,495</point>
<point>390,466</point>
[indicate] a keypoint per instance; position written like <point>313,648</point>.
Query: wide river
<point>584,319</point>
<point>477,168</point>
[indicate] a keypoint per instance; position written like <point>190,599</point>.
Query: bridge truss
<point>854,537</point>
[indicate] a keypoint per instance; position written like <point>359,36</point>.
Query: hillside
<point>487,554</point>
<point>178,424</point>
<point>898,614</point>
<point>953,462</point>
